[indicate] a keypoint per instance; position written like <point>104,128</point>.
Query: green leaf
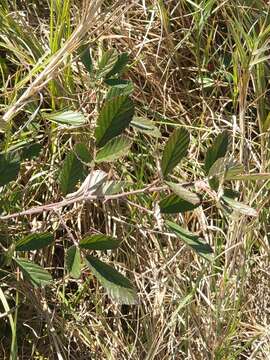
<point>119,66</point>
<point>238,207</point>
<point>31,151</point>
<point>85,57</point>
<point>184,194</point>
<point>83,153</point>
<point>192,240</point>
<point>175,149</point>
<point>145,126</point>
<point>216,174</point>
<point>120,90</point>
<point>106,64</point>
<point>231,193</point>
<point>114,117</point>
<point>117,82</point>
<point>233,169</point>
<point>266,123</point>
<point>99,242</point>
<point>69,118</point>
<point>73,261</point>
<point>34,273</point>
<point>225,169</point>
<point>34,241</point>
<point>114,149</point>
<point>217,150</point>
<point>72,171</point>
<point>117,286</point>
<point>9,167</point>
<point>174,204</point>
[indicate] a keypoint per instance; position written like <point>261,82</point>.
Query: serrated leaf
<point>174,204</point>
<point>175,149</point>
<point>99,242</point>
<point>71,173</point>
<point>73,261</point>
<point>119,66</point>
<point>34,273</point>
<point>34,241</point>
<point>238,206</point>
<point>145,126</point>
<point>118,287</point>
<point>184,194</point>
<point>9,167</point>
<point>217,150</point>
<point>114,149</point>
<point>68,118</point>
<point>114,117</point>
<point>106,64</point>
<point>120,90</point>
<point>195,242</point>
<point>83,153</point>
<point>86,58</point>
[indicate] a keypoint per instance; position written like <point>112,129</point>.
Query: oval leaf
<point>217,150</point>
<point>71,173</point>
<point>34,242</point>
<point>174,204</point>
<point>145,126</point>
<point>83,153</point>
<point>99,242</point>
<point>114,149</point>
<point>119,66</point>
<point>117,286</point>
<point>114,117</point>
<point>34,273</point>
<point>73,261</point>
<point>86,58</point>
<point>175,149</point>
<point>195,242</point>
<point>239,207</point>
<point>9,167</point>
<point>107,63</point>
<point>123,89</point>
<point>225,169</point>
<point>233,169</point>
<point>69,118</point>
<point>184,194</point>
<point>31,151</point>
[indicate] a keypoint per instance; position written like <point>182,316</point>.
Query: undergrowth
<point>134,174</point>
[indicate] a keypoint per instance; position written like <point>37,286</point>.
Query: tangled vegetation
<point>134,179</point>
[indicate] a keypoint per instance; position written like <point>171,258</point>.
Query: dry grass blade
<point>88,21</point>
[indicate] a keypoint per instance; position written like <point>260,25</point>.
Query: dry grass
<point>187,308</point>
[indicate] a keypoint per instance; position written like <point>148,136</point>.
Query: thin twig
<point>85,197</point>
